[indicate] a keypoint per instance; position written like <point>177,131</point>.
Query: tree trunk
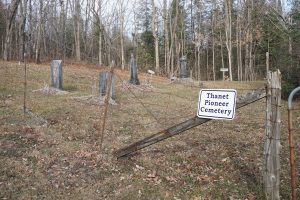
<point>222,55</point>
<point>12,11</point>
<point>249,45</point>
<point>238,41</point>
<point>122,34</point>
<point>228,35</point>
<point>77,30</point>
<point>63,28</point>
<point>166,34</point>
<point>100,32</point>
<point>154,32</point>
<point>207,64</point>
<point>213,40</point>
<point>199,62</point>
<point>38,41</point>
<point>23,11</point>
<point>174,44</point>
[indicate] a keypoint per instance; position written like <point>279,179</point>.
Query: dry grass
<point>54,152</point>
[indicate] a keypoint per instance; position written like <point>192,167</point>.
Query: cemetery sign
<point>217,104</point>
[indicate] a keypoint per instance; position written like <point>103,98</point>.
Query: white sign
<point>224,69</point>
<point>217,104</point>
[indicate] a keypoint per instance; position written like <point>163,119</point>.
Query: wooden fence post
<point>106,103</point>
<point>272,144</point>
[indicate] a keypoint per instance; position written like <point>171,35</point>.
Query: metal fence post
<point>291,143</point>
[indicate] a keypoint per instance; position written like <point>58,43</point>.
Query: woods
<point>247,37</point>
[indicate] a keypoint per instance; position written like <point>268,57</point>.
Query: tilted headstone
<point>183,73</point>
<point>103,83</point>
<point>133,72</point>
<point>56,74</point>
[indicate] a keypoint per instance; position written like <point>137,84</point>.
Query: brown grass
<point>54,153</point>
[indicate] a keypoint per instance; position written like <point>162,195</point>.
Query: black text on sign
<point>217,104</point>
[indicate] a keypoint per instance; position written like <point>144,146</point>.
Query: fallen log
<point>242,101</point>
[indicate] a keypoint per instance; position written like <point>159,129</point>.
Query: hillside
<point>53,152</point>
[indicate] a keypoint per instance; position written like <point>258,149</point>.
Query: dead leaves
<point>154,178</point>
<point>171,179</point>
<point>85,154</point>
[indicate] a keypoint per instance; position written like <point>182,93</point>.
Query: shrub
<point>286,89</point>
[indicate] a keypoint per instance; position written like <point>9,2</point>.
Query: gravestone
<point>133,72</point>
<point>56,74</point>
<point>183,69</point>
<point>103,82</point>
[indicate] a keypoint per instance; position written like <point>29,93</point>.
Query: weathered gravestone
<point>133,72</point>
<point>56,74</point>
<point>103,83</point>
<point>183,69</point>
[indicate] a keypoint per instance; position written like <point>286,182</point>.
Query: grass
<point>69,88</point>
<point>62,159</point>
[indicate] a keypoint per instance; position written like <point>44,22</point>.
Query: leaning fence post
<point>106,103</point>
<point>272,143</point>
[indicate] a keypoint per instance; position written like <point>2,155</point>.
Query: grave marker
<point>56,74</point>
<point>223,70</point>
<point>183,69</point>
<point>103,82</point>
<point>133,72</point>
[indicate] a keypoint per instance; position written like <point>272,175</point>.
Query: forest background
<point>249,37</point>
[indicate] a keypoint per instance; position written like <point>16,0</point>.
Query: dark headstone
<point>183,73</point>
<point>56,74</point>
<point>133,72</point>
<point>103,82</point>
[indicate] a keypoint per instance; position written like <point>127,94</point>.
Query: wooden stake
<point>106,104</point>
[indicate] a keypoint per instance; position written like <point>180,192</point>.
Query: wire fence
<point>139,111</point>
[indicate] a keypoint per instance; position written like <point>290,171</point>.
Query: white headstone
<point>56,74</point>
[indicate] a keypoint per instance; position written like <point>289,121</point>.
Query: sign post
<point>217,104</point>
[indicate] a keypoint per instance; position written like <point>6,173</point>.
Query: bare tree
<point>12,11</point>
<point>228,35</point>
<point>213,38</point>
<point>122,15</point>
<point>239,42</point>
<point>76,11</point>
<point>155,35</point>
<point>100,31</point>
<point>174,46</point>
<point>249,75</point>
<point>166,37</point>
<point>38,41</point>
<point>23,12</point>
